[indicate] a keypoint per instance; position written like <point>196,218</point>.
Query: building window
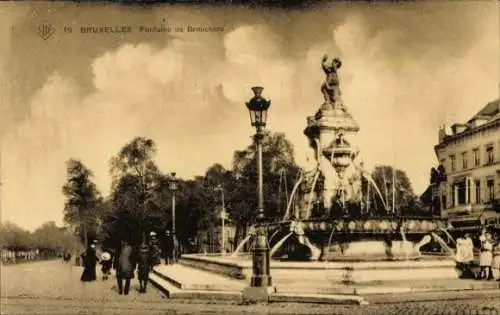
<point>452,160</point>
<point>477,184</point>
<point>490,184</point>
<point>477,160</point>
<point>464,160</point>
<point>498,186</point>
<point>461,193</point>
<point>489,155</point>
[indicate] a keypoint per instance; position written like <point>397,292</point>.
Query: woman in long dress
<point>90,260</point>
<point>495,264</point>
<point>486,257</point>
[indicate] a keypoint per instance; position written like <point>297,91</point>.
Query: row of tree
<point>48,237</point>
<point>140,196</point>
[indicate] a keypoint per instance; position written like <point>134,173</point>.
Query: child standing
<point>144,265</point>
<point>106,264</point>
<point>495,264</point>
<point>486,257</point>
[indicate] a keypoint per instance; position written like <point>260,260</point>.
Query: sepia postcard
<point>250,157</point>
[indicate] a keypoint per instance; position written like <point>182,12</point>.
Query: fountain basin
<point>348,239</point>
<point>324,274</point>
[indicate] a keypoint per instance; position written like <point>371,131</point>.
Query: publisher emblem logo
<point>45,30</point>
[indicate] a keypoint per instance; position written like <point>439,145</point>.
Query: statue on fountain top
<point>331,86</point>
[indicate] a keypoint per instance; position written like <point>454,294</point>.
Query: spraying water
<point>449,235</point>
<point>279,243</point>
<point>272,236</point>
<point>294,190</point>
<point>240,246</point>
<point>330,241</point>
<point>309,203</point>
<point>443,244</point>
<point>371,181</point>
<point>315,252</point>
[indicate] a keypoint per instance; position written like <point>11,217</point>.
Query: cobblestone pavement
<point>54,288</point>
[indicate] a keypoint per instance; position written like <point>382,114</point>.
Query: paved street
<point>52,287</point>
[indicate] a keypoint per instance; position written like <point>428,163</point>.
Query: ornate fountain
<point>327,217</point>
<point>363,246</point>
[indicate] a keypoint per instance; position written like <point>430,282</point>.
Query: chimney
<point>441,133</point>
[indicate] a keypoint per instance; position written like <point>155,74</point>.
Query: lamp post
<point>223,218</point>
<point>173,188</point>
<point>261,281</point>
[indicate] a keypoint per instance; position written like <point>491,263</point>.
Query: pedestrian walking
<point>168,248</point>
<point>90,260</point>
<point>124,265</point>
<point>143,267</point>
<point>66,257</point>
<point>154,250</point>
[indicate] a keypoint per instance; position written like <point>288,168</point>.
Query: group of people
<point>489,256</point>
<point>125,260</point>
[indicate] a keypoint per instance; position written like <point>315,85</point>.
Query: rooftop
<point>488,112</point>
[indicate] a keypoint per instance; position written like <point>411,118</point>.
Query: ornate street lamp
<point>261,282</point>
<point>173,189</point>
<point>223,218</point>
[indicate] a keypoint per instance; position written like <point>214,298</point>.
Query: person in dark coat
<point>168,248</point>
<point>124,265</point>
<point>143,267</point>
<point>154,250</point>
<point>90,260</point>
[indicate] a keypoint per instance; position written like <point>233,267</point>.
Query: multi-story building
<point>467,185</point>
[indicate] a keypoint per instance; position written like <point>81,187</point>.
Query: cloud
<point>401,78</point>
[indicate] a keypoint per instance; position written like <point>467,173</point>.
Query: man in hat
<point>168,248</point>
<point>154,249</point>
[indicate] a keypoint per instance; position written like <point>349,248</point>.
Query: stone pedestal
<point>258,294</point>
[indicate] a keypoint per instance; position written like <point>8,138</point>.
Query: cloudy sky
<point>407,69</point>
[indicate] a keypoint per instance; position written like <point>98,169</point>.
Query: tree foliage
<point>138,202</point>
<point>46,237</point>
<point>405,202</point>
<point>50,236</point>
<point>14,237</point>
<point>83,200</point>
<point>278,162</point>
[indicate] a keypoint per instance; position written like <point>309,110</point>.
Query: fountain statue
<point>320,216</point>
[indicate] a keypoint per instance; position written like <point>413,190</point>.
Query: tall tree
<point>51,237</point>
<point>14,237</point>
<point>277,155</point>
<point>83,200</point>
<point>400,195</point>
<point>136,181</point>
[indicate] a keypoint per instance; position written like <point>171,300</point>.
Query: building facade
<point>466,185</point>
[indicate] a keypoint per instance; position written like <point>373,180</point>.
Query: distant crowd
<point>488,259</point>
<point>126,260</point>
<point>8,256</point>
